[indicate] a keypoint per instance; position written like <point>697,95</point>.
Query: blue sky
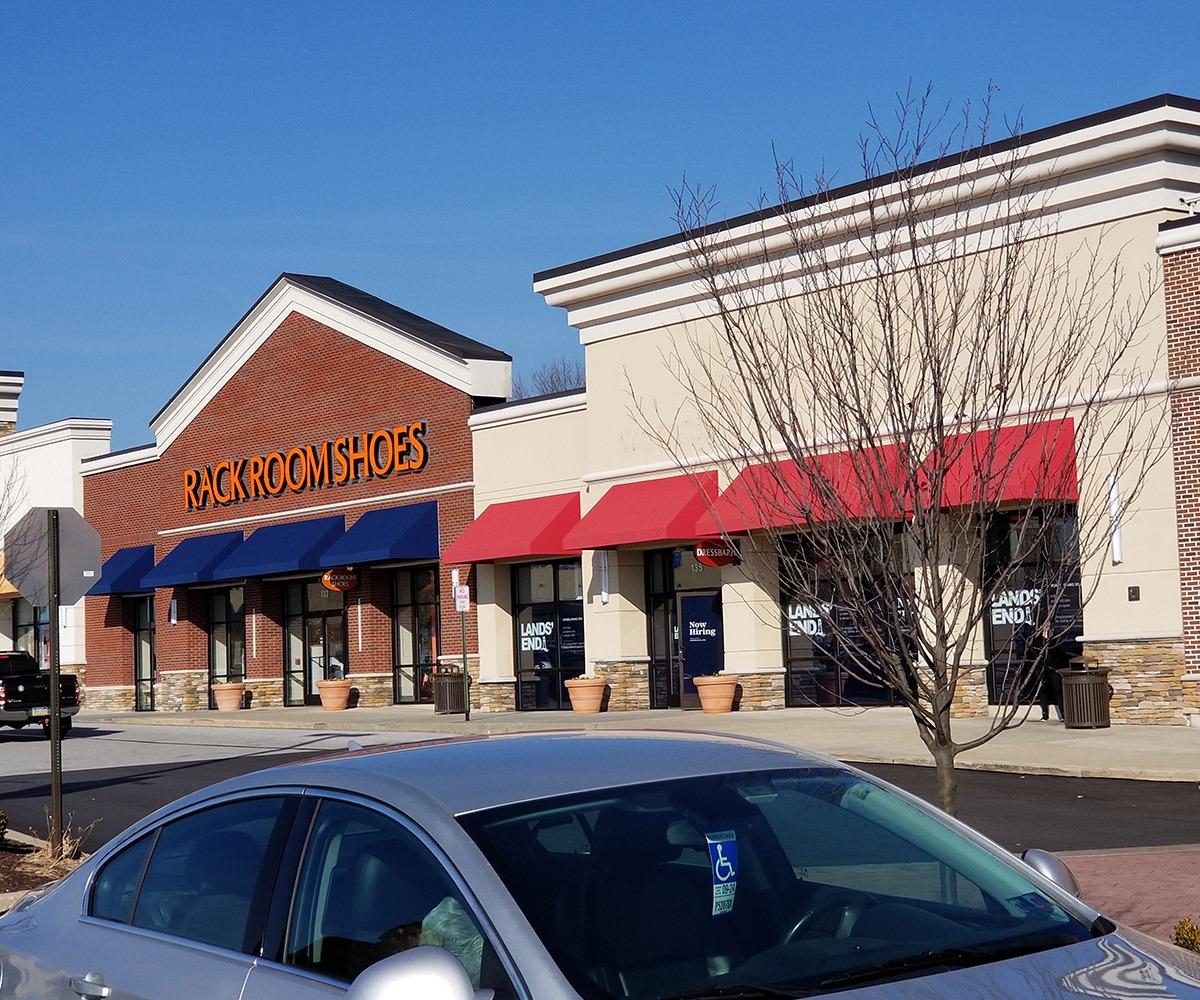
<point>162,163</point>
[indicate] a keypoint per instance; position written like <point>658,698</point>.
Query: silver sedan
<point>591,865</point>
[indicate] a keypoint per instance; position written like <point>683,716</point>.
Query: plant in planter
<point>587,693</point>
<point>229,695</point>
<point>334,692</point>
<point>716,691</point>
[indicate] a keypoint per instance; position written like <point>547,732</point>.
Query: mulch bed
<point>14,878</point>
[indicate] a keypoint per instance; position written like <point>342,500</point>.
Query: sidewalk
<point>877,735</point>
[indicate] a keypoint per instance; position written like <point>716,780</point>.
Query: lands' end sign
<point>370,455</point>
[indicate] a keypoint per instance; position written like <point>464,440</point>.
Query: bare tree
<point>557,375</point>
<point>13,503</point>
<point>941,398</point>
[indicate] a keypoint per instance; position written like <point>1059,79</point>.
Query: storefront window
<point>415,630</point>
<point>144,667</point>
<point>827,658</point>
<point>31,630</point>
<point>226,638</point>
<point>1037,606</point>
<point>549,627</point>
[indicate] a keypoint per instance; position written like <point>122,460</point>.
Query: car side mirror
<point>427,972</point>
<point>1053,867</point>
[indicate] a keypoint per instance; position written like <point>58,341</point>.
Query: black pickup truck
<point>25,693</point>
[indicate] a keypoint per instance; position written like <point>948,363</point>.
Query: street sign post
<point>52,556</point>
<point>462,604</point>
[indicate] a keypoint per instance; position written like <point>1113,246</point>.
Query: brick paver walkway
<point>1146,888</point>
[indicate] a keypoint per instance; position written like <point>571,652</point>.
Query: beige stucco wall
<point>530,449</point>
<point>640,422</point>
<point>1149,543</point>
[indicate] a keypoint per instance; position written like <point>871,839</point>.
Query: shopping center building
<point>596,554</point>
<point>318,485</point>
<point>285,525</point>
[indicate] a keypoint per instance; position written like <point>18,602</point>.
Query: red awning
<point>867,483</point>
<point>518,529</point>
<point>653,510</point>
<point>1026,463</point>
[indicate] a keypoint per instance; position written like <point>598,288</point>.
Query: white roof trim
<point>470,376</point>
<point>1178,239</point>
<point>119,460</point>
<point>535,409</point>
<point>1142,163</point>
<point>70,429</point>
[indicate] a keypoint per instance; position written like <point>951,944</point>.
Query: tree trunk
<point>947,779</point>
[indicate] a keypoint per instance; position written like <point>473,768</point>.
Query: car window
<point>832,845</point>
<point>788,878</point>
<point>206,877</point>
<point>116,885</point>
<point>369,888</point>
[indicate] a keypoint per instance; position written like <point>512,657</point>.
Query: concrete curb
<point>880,736</point>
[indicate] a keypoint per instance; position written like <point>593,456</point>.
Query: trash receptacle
<point>1085,694</point>
<point>448,692</point>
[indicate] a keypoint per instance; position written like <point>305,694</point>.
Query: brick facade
<point>306,383</point>
<point>1181,287</point>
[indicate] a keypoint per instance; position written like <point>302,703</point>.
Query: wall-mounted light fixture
<point>173,613</point>
<point>1114,519</point>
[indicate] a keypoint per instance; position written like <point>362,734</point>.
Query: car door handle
<point>90,987</point>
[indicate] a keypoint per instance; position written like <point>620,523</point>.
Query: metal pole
<point>466,676</point>
<point>55,680</point>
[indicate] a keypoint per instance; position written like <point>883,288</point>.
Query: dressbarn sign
<point>343,460</point>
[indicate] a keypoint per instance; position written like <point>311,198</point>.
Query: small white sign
<point>462,598</point>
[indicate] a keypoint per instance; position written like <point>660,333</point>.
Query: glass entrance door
<point>315,644</point>
<point>326,653</point>
<point>701,646</point>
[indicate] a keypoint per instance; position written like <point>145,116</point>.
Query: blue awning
<point>192,560</point>
<point>281,548</point>
<point>123,571</point>
<point>409,532</point>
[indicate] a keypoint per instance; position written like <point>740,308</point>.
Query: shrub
<point>1186,934</point>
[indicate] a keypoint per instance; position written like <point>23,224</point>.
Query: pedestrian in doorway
<point>1051,686</point>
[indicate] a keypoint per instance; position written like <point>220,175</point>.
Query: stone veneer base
<point>1147,677</point>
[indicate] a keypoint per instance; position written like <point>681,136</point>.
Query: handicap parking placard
<point>723,856</point>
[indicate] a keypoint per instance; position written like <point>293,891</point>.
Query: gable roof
<point>460,362</point>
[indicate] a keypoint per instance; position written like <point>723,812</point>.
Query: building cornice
<point>521,412</point>
<point>117,460</point>
<point>1178,236</point>
<point>72,429</point>
<point>1104,170</point>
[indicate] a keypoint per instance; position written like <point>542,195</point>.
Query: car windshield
<point>775,883</point>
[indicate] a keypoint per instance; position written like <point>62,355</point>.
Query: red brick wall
<point>123,507</point>
<point>1181,276</point>
<point>306,384</point>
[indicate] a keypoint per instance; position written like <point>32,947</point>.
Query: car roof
<point>466,774</point>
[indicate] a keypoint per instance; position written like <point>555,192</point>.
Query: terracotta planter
<point>229,697</point>
<point>334,693</point>
<point>587,694</point>
<point>716,692</point>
